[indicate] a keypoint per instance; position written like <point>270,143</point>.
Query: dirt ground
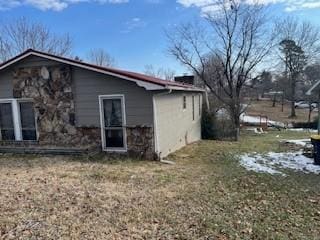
<point>205,195</point>
<point>275,113</point>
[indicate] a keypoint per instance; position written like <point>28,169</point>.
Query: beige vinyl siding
<point>88,85</point>
<point>174,125</point>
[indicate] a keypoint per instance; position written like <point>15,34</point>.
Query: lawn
<point>275,113</point>
<point>205,195</point>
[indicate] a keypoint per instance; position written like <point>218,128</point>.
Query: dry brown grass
<point>274,113</point>
<point>205,195</point>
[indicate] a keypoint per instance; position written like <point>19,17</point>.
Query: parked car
<point>305,105</point>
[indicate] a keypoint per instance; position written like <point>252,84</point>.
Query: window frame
<point>184,102</point>
<point>102,123</point>
<point>15,106</point>
<point>20,120</point>
<point>7,101</point>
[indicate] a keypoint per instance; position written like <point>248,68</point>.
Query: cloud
<point>5,4</point>
<point>133,24</point>
<point>55,5</point>
<point>290,5</point>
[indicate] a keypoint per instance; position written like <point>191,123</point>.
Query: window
<point>6,122</point>
<point>28,123</point>
<point>113,123</point>
<point>17,120</point>
<point>184,102</point>
<point>193,108</point>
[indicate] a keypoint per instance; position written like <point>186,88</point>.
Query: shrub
<point>216,128</point>
<point>208,123</point>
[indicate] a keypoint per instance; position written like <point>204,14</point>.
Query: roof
<point>148,82</point>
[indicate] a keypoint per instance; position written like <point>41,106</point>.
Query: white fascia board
<point>144,84</point>
<point>185,89</point>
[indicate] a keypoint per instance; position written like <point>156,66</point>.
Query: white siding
<point>174,125</point>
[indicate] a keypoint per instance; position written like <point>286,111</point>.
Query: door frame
<point>102,122</point>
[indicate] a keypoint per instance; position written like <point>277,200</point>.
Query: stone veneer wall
<point>53,105</point>
<point>55,113</point>
<point>140,142</point>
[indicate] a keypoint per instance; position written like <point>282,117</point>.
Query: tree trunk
<point>293,97</point>
<point>274,100</point>
<point>310,111</point>
<point>309,114</point>
<point>236,110</point>
<point>237,127</point>
<point>293,110</point>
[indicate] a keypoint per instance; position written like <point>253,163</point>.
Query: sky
<point>131,31</point>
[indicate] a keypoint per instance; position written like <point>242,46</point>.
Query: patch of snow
<point>303,130</point>
<point>252,163</point>
<point>272,163</point>
<point>301,142</point>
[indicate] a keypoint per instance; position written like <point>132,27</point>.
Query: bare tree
<point>164,73</point>
<point>22,34</point>
<point>303,33</point>
<point>300,45</point>
<point>100,57</point>
<point>239,40</point>
<point>295,61</point>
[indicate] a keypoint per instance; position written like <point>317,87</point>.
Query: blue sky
<point>132,31</point>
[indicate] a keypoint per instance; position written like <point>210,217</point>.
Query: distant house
<point>55,104</point>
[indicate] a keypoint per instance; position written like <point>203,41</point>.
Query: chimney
<point>185,79</point>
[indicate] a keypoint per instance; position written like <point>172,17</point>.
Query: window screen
<point>6,122</point>
<point>28,125</point>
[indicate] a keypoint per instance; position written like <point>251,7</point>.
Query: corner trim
<point>155,121</point>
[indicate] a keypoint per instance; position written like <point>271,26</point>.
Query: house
<point>52,103</point>
<point>315,89</point>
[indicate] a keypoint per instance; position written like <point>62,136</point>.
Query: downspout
<point>155,122</point>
